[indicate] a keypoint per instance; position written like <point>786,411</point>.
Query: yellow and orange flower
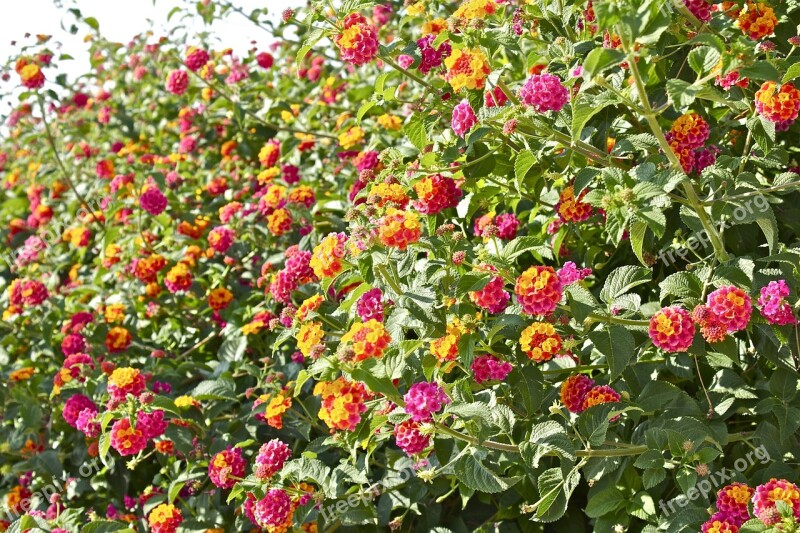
<point>466,68</point>
<point>367,339</point>
<point>219,298</point>
<point>308,336</point>
<point>343,402</point>
<point>540,342</point>
<point>327,256</point>
<point>399,228</point>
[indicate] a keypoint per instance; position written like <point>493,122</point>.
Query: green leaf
<point>529,383</point>
<point>605,502</point>
<point>601,59</point>
<point>471,472</point>
<point>472,281</point>
<point>791,73</point>
<point>753,526</point>
<point>763,132</point>
<point>681,284</point>
<point>233,347</point>
<point>554,493</point>
<point>622,280</point>
<point>105,526</point>
<point>584,108</point>
<point>617,344</point>
<point>681,93</point>
<point>302,377</point>
<point>638,231</point>
<point>520,245</point>
<point>783,385</point>
<point>582,303</point>
<point>415,131</point>
<point>365,107</point>
<point>472,410</point>
<point>525,160</point>
<point>377,381</point>
<point>703,59</point>
<point>216,389</point>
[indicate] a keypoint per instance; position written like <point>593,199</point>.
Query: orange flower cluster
<point>466,68</point>
<point>165,518</point>
<point>389,192</point>
<point>342,403</point>
<point>757,20</point>
<point>446,348</point>
<point>399,228</point>
<point>308,336</point>
<point>540,342</point>
<point>778,104</point>
<point>475,9</point>
<point>368,339</point>
<point>118,339</point>
<point>538,290</point>
<point>219,298</point>
<point>309,304</point>
<point>278,404</point>
<point>571,209</point>
<point>279,222</point>
<point>326,259</point>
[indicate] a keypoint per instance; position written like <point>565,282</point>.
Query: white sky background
<point>119,21</point>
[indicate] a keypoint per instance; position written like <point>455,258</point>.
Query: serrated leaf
<point>415,132</point>
<point>214,389</point>
<point>763,132</point>
<point>637,233</point>
<point>617,344</point>
<point>791,73</point>
<point>703,59</point>
<point>605,502</point>
<point>472,473</point>
<point>623,279</point>
<point>601,59</point>
<point>522,164</point>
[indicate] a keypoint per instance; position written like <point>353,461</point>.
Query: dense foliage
<point>474,265</point>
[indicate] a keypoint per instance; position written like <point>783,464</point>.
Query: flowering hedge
<point>436,266</point>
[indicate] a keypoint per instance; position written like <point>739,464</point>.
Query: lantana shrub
<point>471,265</point>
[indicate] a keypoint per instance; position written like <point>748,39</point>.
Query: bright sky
<point>119,21</point>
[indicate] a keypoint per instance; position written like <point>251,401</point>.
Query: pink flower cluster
<point>271,458</point>
<point>699,8</point>
<point>225,467</point>
<point>409,438</point>
<point>273,509</point>
<point>570,273</point>
<point>370,306</point>
<point>464,118</point>
<point>177,82</point>
<point>773,491</point>
<point>672,329</point>
<point>423,399</point>
<point>153,200</point>
<point>544,92</point>
<point>773,304</point>
<point>296,271</point>
<point>492,297</point>
<point>490,368</point>
<point>732,306</point>
<point>432,57</point>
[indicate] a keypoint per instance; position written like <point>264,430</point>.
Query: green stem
<point>755,193</point>
<point>389,61</point>
<point>688,187</point>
